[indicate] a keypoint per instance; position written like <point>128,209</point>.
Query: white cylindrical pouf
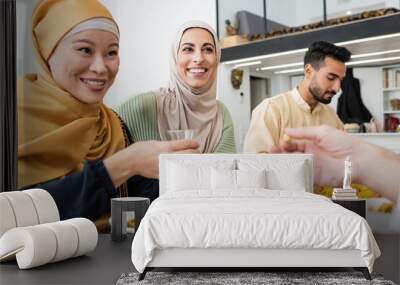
<point>67,239</point>
<point>87,235</point>
<point>45,205</point>
<point>34,246</point>
<point>7,217</point>
<point>40,244</point>
<point>23,208</point>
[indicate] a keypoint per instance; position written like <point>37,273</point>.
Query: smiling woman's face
<point>197,58</point>
<point>85,64</point>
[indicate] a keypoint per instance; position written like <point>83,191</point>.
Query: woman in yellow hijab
<point>69,142</point>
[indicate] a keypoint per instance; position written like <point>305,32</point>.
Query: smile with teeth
<point>197,70</point>
<point>94,83</point>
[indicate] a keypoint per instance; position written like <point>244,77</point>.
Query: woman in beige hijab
<point>69,142</point>
<point>190,101</point>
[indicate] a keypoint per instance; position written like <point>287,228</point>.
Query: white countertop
<point>390,141</point>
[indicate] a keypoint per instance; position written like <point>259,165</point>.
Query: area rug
<point>232,278</point>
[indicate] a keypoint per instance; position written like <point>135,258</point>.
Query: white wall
<point>337,8</point>
<point>239,106</point>
<point>308,11</point>
<point>371,91</point>
<point>293,13</point>
<point>228,8</point>
<point>147,28</point>
<point>280,83</point>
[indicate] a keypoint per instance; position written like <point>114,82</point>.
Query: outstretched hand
<point>329,147</point>
<point>147,154</point>
<point>141,158</point>
<point>374,166</point>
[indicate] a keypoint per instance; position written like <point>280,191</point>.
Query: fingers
<point>309,133</point>
<point>289,146</point>
<point>274,149</point>
<point>301,146</point>
<point>180,145</point>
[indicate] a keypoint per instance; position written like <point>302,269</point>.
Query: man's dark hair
<point>317,52</point>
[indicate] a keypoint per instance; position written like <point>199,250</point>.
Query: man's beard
<point>318,94</point>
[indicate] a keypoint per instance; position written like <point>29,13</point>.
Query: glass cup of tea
<point>181,134</point>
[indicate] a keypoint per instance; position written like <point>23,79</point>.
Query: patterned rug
<point>270,278</point>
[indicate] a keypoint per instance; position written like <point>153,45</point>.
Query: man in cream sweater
<point>305,105</point>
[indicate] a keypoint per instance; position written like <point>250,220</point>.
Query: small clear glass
<point>181,134</point>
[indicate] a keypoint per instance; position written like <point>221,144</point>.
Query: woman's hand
<point>141,158</point>
<point>329,147</point>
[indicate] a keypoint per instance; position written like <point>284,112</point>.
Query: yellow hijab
<point>56,132</point>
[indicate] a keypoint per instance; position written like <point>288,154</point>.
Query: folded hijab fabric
<point>56,132</point>
<point>181,107</point>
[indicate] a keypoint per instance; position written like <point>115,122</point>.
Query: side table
<point>119,209</point>
<point>358,206</point>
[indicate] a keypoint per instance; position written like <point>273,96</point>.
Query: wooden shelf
<point>389,77</point>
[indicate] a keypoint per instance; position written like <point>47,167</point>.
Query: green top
<point>140,116</point>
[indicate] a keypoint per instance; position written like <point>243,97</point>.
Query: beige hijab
<point>181,107</point>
